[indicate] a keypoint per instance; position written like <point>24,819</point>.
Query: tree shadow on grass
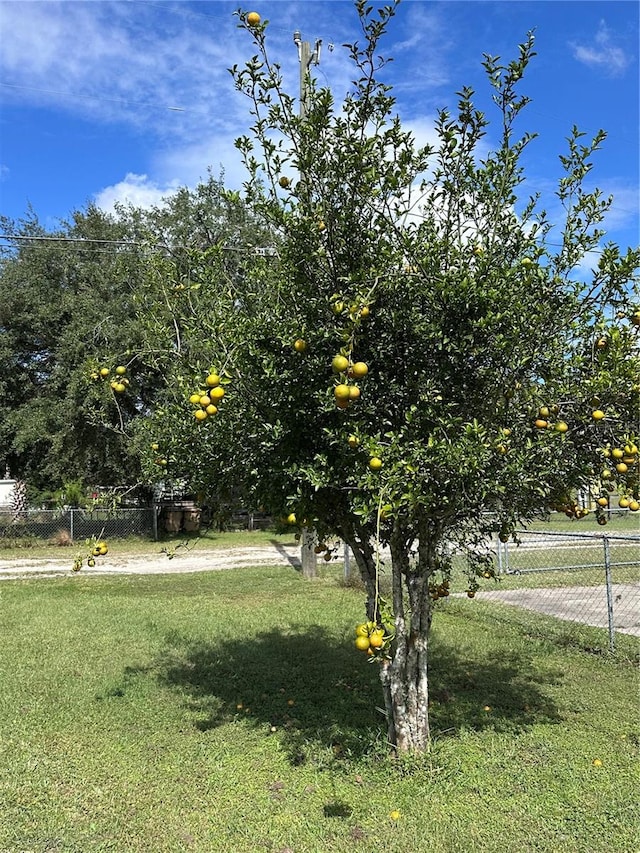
<point>316,693</point>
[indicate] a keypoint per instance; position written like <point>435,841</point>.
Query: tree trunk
<point>358,541</point>
<point>404,677</point>
<point>19,502</point>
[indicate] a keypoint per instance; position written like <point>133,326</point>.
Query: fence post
<point>347,561</point>
<point>607,575</point>
<point>71,524</point>
<point>155,511</point>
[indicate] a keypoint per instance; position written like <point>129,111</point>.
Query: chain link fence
<point>584,579</point>
<point>77,524</point>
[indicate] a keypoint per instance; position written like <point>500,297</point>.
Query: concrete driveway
<point>585,604</point>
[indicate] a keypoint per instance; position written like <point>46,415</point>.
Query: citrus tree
<point>420,361</point>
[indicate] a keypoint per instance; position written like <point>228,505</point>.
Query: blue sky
<point>107,101</point>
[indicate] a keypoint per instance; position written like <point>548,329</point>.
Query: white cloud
<point>602,53</point>
<point>137,190</point>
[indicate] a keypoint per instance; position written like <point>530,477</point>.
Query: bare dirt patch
<point>156,564</point>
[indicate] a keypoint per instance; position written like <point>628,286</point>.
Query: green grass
<point>229,711</point>
<point>623,522</point>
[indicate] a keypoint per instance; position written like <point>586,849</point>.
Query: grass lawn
<point>228,712</point>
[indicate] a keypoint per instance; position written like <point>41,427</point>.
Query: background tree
<point>422,364</point>
<point>65,296</point>
<point>69,297</point>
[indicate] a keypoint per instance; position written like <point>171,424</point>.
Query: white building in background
<point>6,495</point>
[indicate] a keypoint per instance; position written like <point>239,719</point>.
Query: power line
<point>262,251</point>
<point>94,97</point>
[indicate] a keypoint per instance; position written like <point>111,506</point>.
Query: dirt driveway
<point>156,564</point>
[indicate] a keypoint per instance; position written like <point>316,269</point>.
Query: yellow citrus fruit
<point>300,345</point>
<point>362,643</point>
<point>211,409</point>
<point>376,639</point>
<point>194,398</point>
<point>119,387</point>
<point>617,453</point>
<point>253,19</point>
<point>541,423</point>
<point>353,441</point>
<point>631,449</point>
<point>561,426</point>
<point>543,411</point>
<point>603,501</point>
<point>342,392</point>
<point>623,502</point>
<point>155,446</point>
<point>365,311</point>
<point>362,630</point>
<point>217,393</point>
<point>375,463</point>
<point>321,226</point>
<point>200,415</point>
<point>634,506</point>
<point>121,370</point>
<point>213,380</point>
<point>359,369</point>
<point>291,518</point>
<point>622,467</point>
<point>204,400</point>
<point>354,392</point>
<point>339,364</point>
<point>104,371</point>
<point>597,414</point>
<point>284,182</point>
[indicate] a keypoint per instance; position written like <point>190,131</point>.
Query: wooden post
<point>308,556</point>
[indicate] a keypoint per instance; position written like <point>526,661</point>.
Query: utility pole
<point>306,59</point>
<point>309,538</point>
